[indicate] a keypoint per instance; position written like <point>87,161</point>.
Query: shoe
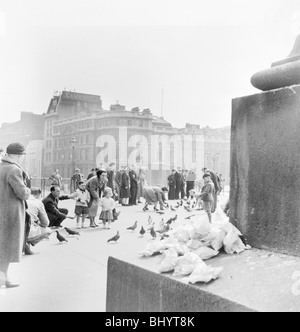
<point>9,284</point>
<point>27,250</point>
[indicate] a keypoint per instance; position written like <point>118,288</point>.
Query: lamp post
<point>73,142</point>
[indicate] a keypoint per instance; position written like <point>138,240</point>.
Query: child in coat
<point>82,197</point>
<point>108,205</point>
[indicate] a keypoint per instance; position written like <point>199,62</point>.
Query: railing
<point>45,183</point>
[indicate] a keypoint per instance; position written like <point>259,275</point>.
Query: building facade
<point>76,132</point>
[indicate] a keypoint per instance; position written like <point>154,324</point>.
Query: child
<point>82,197</point>
<point>207,195</point>
<point>108,205</point>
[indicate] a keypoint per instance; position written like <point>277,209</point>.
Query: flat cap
<point>15,148</point>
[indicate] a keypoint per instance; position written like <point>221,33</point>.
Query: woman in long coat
<point>12,210</point>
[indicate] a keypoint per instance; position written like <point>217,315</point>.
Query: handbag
<point>35,230</point>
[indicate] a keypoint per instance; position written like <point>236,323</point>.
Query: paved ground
<point>71,277</point>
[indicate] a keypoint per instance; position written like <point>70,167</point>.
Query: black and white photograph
<point>149,158</point>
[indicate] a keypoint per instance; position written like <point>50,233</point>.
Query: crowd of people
<point>26,218</point>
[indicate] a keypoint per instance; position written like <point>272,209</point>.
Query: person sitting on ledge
<point>56,215</point>
<point>155,195</point>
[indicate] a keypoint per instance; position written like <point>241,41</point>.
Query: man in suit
<point>178,183</point>
<point>55,215</point>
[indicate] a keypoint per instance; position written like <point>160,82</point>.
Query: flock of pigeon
<point>165,227</point>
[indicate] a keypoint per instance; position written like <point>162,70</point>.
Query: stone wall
<point>265,169</point>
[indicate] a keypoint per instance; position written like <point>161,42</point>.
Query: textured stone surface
<point>256,280</point>
<point>277,77</point>
<point>131,288</point>
<point>265,169</point>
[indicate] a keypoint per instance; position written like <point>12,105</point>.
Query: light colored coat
<point>12,210</point>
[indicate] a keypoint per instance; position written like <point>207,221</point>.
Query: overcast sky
<point>201,54</point>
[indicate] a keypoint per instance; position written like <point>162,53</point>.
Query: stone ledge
<point>256,280</point>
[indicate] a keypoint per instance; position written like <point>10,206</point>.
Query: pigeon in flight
<point>114,238</point>
<point>132,228</point>
<point>60,238</point>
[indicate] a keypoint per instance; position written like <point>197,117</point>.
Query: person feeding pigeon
<point>207,195</point>
<point>155,195</point>
<point>82,197</point>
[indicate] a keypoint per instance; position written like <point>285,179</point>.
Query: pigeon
<point>194,205</point>
<point>132,228</point>
<point>172,208</point>
<point>162,223</point>
<point>153,233</point>
<point>188,209</point>
<point>142,231</point>
<point>160,212</point>
<point>70,232</point>
<point>114,238</point>
<point>169,222</point>
<point>181,202</point>
<point>60,238</point>
<point>189,218</point>
<point>150,221</point>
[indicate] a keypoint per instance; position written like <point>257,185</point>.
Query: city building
<point>76,132</point>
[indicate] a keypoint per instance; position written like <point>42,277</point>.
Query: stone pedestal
<point>265,169</point>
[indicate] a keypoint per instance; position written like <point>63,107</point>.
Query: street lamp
<point>73,144</point>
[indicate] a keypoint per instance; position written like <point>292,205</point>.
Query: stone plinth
<point>265,169</point>
<point>255,280</point>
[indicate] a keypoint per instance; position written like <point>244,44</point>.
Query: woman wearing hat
<point>12,209</point>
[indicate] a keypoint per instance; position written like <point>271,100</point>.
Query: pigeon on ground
<point>60,238</point>
<point>169,222</point>
<point>172,208</point>
<point>162,223</point>
<point>114,238</point>
<point>175,218</point>
<point>132,228</point>
<point>150,221</point>
<point>153,233</point>
<point>160,212</point>
<point>181,202</point>
<point>70,232</point>
<point>189,218</point>
<point>188,209</point>
<point>142,231</point>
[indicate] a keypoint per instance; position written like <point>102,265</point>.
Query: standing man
<point>118,180</point>
<point>190,182</point>
<point>111,174</point>
<point>133,186</point>
<point>55,215</point>
<point>56,179</point>
<point>178,182</point>
<point>75,179</point>
<point>172,185</point>
<point>12,210</point>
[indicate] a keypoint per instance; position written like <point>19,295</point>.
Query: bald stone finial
<point>282,73</point>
